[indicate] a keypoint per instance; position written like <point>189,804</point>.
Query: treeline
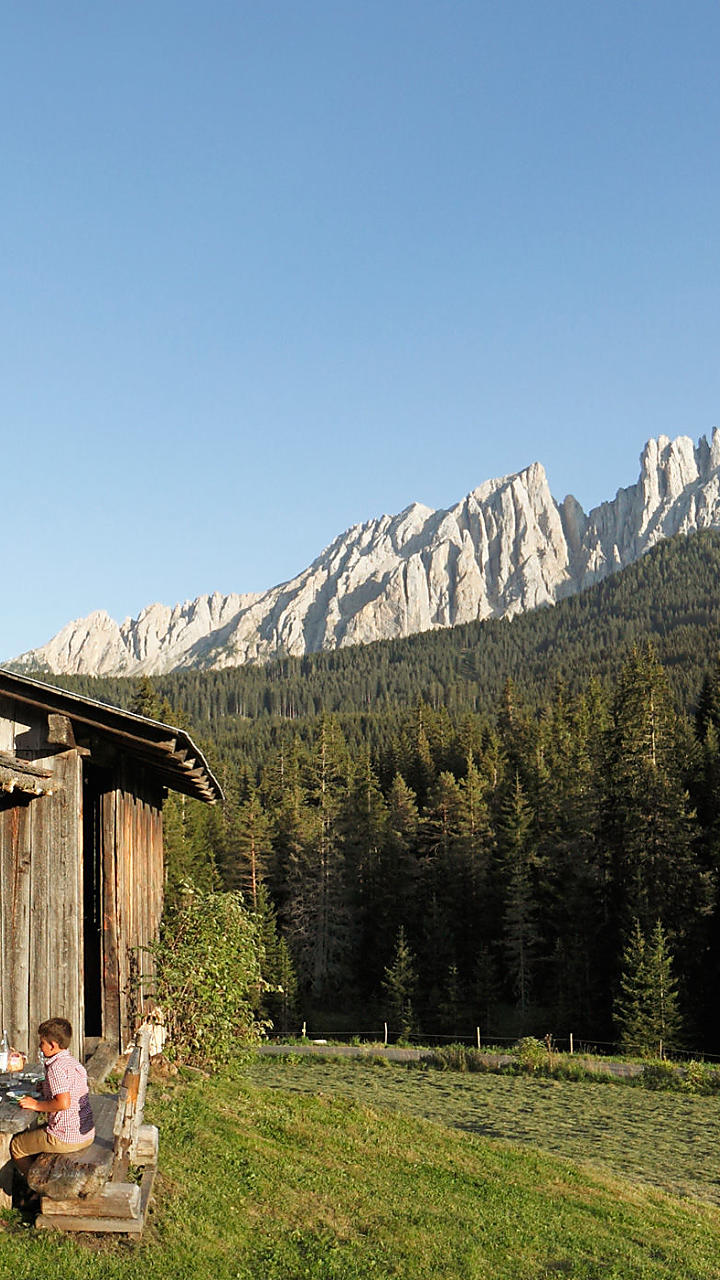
<point>512,856</point>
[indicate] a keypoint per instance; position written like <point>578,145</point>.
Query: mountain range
<point>505,548</point>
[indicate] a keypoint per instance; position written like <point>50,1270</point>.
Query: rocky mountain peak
<point>506,547</point>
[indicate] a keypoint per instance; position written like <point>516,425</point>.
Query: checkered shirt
<point>64,1074</point>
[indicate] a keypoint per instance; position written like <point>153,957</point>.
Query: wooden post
<point>477,1032</point>
<point>303,1033</point>
<point>131,1101</point>
<point>385,1033</point>
<point>571,1042</point>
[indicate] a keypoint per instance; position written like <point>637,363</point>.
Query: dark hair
<point>57,1030</point>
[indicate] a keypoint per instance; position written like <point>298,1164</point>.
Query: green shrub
<point>659,1075</point>
<point>532,1055</point>
<point>208,965</point>
<point>568,1069</point>
<point>699,1077</point>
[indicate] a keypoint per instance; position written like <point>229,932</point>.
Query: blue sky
<point>272,269</point>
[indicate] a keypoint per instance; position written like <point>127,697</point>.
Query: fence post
<point>571,1042</point>
<point>477,1029</point>
<point>304,1031</point>
<point>386,1033</point>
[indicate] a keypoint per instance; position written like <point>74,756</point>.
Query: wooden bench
<point>88,1190</point>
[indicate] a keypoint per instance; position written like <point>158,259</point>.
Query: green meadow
<point>287,1169</point>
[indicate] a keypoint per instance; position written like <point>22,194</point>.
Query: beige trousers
<point>34,1142</point>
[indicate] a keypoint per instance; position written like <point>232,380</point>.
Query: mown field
<point>668,1140</point>
<point>332,1171</point>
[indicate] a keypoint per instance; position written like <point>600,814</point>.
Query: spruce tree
<point>647,1010</point>
<point>399,984</point>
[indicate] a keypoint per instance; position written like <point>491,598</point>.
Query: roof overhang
<point>168,753</point>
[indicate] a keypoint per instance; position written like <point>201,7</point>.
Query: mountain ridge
<point>506,548</point>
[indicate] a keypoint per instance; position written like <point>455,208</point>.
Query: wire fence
<point>488,1041</point>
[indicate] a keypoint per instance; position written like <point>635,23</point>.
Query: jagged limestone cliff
<point>507,547</point>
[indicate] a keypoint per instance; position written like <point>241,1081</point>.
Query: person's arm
<point>61,1102</point>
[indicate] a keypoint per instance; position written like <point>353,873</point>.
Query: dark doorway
<point>94,786</point>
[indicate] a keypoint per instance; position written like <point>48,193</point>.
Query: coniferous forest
<point>475,827</point>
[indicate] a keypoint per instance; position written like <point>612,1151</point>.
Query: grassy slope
<point>261,1180</point>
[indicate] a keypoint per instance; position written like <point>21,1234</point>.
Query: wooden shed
<point>81,857</point>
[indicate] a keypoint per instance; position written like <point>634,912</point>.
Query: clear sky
<point>273,268</point>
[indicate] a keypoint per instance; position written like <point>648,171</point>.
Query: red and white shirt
<point>64,1074</point>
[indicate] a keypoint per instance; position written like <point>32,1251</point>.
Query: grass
<point>277,1170</point>
<point>667,1140</point>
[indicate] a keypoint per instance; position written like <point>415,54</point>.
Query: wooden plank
<point>16,909</point>
<point>146,1187</point>
<point>116,1200</point>
<point>110,964</point>
<point>57,843</point>
<point>6,872</point>
<point>31,767</point>
<point>43,923</point>
<point>147,1145</point>
<point>131,1104</point>
<point>7,724</point>
<point>101,1226</point>
<point>121,915</point>
<point>102,1062</point>
<point>6,1172</point>
<point>71,986</point>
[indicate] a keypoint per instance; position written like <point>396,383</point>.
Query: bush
<point>699,1077</point>
<point>208,965</point>
<point>660,1076</point>
<point>532,1055</point>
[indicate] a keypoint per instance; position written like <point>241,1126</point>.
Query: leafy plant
<point>659,1076</point>
<point>208,976</point>
<point>532,1054</point>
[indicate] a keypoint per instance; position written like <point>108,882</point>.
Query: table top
<point>14,1085</point>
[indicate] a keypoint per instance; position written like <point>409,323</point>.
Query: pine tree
<point>399,984</point>
<point>319,898</point>
<point>648,825</point>
<point>252,847</point>
<point>646,1010</point>
<point>146,700</point>
<point>520,932</point>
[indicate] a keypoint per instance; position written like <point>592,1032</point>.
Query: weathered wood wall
<point>41,955</point>
<point>41,889</point>
<point>137,889</point>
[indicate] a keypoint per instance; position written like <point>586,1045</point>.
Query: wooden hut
<point>81,857</point>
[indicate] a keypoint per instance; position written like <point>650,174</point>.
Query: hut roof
<point>166,751</point>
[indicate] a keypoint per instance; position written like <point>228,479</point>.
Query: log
<point>80,1173</point>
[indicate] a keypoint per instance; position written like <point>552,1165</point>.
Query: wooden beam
<point>116,1200</point>
<point>9,761</point>
<point>60,730</point>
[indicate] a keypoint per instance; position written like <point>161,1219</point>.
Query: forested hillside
<point>469,827</point>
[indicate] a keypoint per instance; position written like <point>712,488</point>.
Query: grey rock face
<point>507,547</point>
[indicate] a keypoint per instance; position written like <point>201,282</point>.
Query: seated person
<point>65,1100</point>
